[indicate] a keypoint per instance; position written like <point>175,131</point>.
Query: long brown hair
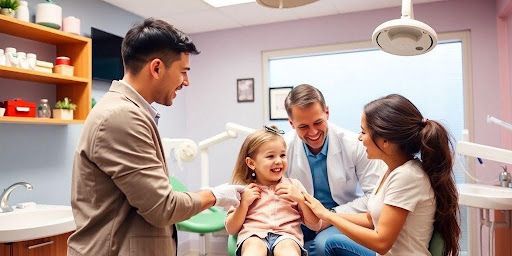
<point>396,119</point>
<point>242,174</point>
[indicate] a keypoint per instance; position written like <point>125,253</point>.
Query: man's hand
<point>290,192</point>
<point>227,195</point>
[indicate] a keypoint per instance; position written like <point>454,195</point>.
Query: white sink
<point>35,222</point>
<point>485,196</point>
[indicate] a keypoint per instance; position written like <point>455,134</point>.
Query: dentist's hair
<point>242,174</point>
<point>303,96</point>
<point>153,39</point>
<point>396,119</point>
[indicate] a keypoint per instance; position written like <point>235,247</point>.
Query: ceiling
<point>195,16</point>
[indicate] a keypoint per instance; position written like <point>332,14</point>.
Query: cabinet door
<point>5,249</point>
<point>55,245</point>
<point>36,247</point>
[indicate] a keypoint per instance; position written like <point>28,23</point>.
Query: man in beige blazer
<point>121,198</point>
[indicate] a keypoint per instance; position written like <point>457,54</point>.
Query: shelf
<point>35,76</point>
<point>38,32</point>
<point>78,88</point>
<point>31,120</point>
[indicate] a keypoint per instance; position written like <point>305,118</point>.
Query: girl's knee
<point>253,246</point>
<point>287,247</point>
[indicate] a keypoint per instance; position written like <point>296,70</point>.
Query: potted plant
<point>64,109</point>
<point>8,7</point>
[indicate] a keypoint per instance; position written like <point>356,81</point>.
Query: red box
<point>20,108</point>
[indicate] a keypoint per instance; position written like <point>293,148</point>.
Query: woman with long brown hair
<point>414,197</point>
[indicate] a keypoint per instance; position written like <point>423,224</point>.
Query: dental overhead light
<point>405,36</point>
<point>284,3</point>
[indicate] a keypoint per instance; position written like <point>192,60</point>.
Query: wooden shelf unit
<point>31,120</point>
<point>77,88</point>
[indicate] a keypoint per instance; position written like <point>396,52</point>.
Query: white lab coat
<point>348,169</point>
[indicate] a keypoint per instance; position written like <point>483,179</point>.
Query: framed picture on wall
<point>245,90</point>
<point>276,96</point>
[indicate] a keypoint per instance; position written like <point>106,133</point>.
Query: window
<point>351,75</point>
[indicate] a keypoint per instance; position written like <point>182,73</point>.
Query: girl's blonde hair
<point>242,174</point>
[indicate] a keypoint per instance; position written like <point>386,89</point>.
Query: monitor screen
<point>107,63</point>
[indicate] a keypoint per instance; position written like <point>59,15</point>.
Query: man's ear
<point>155,66</point>
<point>327,112</point>
<point>291,123</point>
<point>250,163</point>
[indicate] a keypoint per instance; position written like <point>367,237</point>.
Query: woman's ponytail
<point>437,162</point>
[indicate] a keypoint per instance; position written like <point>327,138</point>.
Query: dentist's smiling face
<point>310,123</point>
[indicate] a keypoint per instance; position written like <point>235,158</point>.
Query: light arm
<point>232,131</point>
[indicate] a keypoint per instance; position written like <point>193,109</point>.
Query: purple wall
<point>236,53</point>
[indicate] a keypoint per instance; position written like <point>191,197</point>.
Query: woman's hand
<point>250,194</point>
<point>290,192</point>
<point>316,207</point>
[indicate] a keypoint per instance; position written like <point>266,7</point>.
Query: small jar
<point>31,60</point>
<point>2,57</point>
<point>11,59</point>
<point>62,60</point>
<point>22,12</point>
<point>44,110</point>
<point>22,60</point>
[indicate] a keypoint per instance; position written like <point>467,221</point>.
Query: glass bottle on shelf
<point>44,110</point>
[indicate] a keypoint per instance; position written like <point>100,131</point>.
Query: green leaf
<point>9,4</point>
<point>65,104</point>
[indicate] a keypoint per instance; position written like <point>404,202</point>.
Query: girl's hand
<point>316,207</point>
<point>250,194</point>
<point>290,192</point>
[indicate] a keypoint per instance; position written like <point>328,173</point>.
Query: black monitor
<point>107,63</point>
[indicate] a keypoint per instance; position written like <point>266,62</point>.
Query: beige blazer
<point>121,198</point>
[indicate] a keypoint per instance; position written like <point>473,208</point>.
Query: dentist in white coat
<point>330,162</point>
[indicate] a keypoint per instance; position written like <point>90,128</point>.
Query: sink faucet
<point>4,198</point>
<point>505,178</point>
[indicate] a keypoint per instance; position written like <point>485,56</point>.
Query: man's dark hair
<point>153,39</point>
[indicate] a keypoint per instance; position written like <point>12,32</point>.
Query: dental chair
<point>208,221</point>
<point>435,247</point>
<point>231,245</point>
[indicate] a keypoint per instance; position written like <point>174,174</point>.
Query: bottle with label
<point>44,110</point>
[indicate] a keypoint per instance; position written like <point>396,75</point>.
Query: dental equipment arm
<point>232,131</point>
<point>482,151</point>
<point>494,120</point>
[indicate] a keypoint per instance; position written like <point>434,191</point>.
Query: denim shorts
<point>271,240</point>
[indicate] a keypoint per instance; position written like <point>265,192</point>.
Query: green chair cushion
<point>231,245</point>
<point>436,245</point>
<point>207,221</point>
<point>177,185</point>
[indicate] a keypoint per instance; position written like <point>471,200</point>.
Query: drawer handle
<point>22,109</point>
<point>40,245</point>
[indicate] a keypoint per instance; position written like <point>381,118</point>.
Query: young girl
<point>414,197</point>
<point>272,207</point>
